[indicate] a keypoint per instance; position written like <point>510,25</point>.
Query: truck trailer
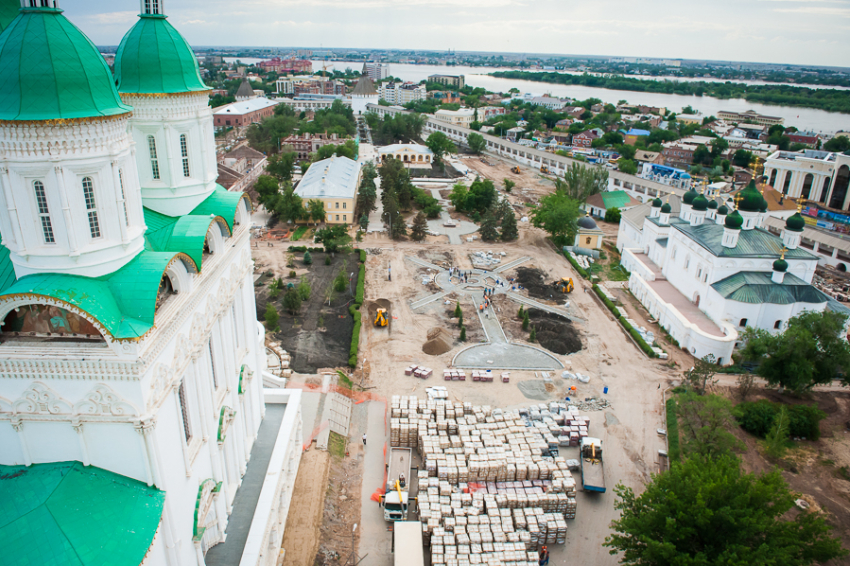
<point>395,501</point>
<point>592,475</point>
<point>407,544</point>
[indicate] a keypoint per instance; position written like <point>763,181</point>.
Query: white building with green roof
<point>707,273</point>
<point>131,359</point>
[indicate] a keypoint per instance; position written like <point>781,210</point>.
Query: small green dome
<point>656,203</point>
<point>700,203</point>
<point>666,209</point>
<point>780,265</point>
<point>8,11</point>
<point>153,58</point>
<point>52,71</point>
<point>795,223</point>
<point>689,196</point>
<point>734,221</point>
<point>712,204</point>
<point>722,210</point>
<point>751,199</point>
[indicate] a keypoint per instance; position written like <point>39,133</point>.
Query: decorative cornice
<point>41,403</point>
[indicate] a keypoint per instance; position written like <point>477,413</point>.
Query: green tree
<point>458,311</point>
<point>458,196</point>
<point>340,281</point>
<point>282,165</point>
<point>289,206</point>
<point>812,350</point>
<point>557,214</point>
<point>364,222</point>
<point>613,215</point>
<point>489,227</point>
<point>308,258</point>
<point>526,321</point>
<point>581,181</point>
<point>702,155</point>
<point>509,184</point>
<point>268,191</point>
<point>510,232</point>
<point>463,334</point>
<point>701,376</point>
<point>399,227</point>
<point>272,318</point>
<point>742,158</point>
<point>838,143</point>
<point>304,289</point>
<point>707,511</point>
<point>419,228</point>
<point>777,437</point>
<point>705,421</point>
<point>367,194</point>
<point>532,336</point>
<point>627,166</point>
<point>316,210</point>
<point>521,313</point>
<point>292,301</point>
<point>334,238</point>
<point>476,143</point>
<point>440,144</point>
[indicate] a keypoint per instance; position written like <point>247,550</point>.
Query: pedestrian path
<point>561,311</point>
<point>423,263</point>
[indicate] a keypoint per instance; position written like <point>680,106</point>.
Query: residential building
<point>291,65</point>
<point>810,139</point>
<point>245,113</point>
<point>596,108</point>
<point>408,153</point>
<point>487,112</point>
<point>598,204</point>
<point>585,139</point>
<point>453,81</point>
<point>690,118</point>
<point>239,168</point>
<point>575,111</point>
<point>817,176</point>
<point>445,96</point>
<point>377,71</point>
<point>335,182</point>
<point>633,134</point>
<point>678,154</point>
<point>664,174</point>
<point>305,144</point>
<point>565,123</point>
<point>750,116</point>
<point>709,273</point>
<point>515,133</point>
<point>402,93</point>
<point>313,102</point>
<point>643,156</point>
<point>548,102</point>
<point>132,364</point>
<point>463,117</point>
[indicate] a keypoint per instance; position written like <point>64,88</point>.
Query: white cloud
<point>113,18</point>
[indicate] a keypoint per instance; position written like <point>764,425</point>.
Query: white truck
<point>407,544</point>
<point>395,500</point>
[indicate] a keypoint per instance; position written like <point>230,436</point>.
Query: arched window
<point>184,153</point>
<point>154,160</point>
<point>742,323</point>
<point>778,324</point>
<point>772,182</point>
<point>91,207</point>
<point>123,197</point>
<point>807,186</point>
<point>44,213</point>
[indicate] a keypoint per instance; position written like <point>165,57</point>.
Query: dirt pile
<point>555,333</point>
<point>534,280</point>
<point>439,342</point>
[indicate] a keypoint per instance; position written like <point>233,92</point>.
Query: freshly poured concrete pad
<point>501,355</point>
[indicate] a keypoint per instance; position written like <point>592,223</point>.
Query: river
<point>802,118</point>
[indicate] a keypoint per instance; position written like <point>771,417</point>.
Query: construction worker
<point>544,556</point>
<point>401,481</point>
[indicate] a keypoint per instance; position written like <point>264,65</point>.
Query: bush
<point>355,336</point>
<point>525,321</point>
<point>607,302</point>
<point>521,313</point>
<point>304,289</point>
<point>579,269</point>
<point>672,430</point>
<point>647,349</point>
<point>272,318</point>
<point>308,258</point>
<point>363,256</point>
<point>339,282</point>
<point>361,284</point>
<point>532,337</point>
<point>756,417</point>
<point>327,260</point>
<point>292,301</point>
<point>292,274</point>
<point>463,334</point>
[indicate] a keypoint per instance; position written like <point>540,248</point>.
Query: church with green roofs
<point>709,272</point>
<point>132,364</point>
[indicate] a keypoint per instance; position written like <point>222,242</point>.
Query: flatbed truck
<point>395,501</point>
<point>592,473</point>
<point>407,544</point>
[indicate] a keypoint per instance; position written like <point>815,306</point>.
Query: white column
<point>169,153</point>
<point>119,203</point>
<point>16,235</point>
<point>18,425</point>
<point>66,211</point>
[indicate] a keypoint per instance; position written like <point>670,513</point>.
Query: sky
<point>805,32</point>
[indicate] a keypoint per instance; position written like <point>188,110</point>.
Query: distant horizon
<point>783,32</point>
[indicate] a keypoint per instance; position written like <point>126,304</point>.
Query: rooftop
<point>757,287</point>
<point>335,177</point>
<point>612,199</point>
<point>245,107</point>
<point>412,147</point>
<point>756,243</point>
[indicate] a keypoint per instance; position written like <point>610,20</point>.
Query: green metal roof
<point>756,243</point>
<point>185,234</point>
<point>615,199</point>
<point>757,287</point>
<point>221,203</point>
<point>67,514</point>
<point>154,58</point>
<point>7,269</point>
<point>8,11</point>
<point>52,71</point>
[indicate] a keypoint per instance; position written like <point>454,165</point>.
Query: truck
<point>395,500</point>
<point>592,475</point>
<point>407,544</point>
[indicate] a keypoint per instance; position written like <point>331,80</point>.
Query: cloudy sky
<point>776,31</point>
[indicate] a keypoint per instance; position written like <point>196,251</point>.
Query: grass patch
<point>674,452</point>
<point>336,445</point>
<point>343,380</point>
<point>298,233</point>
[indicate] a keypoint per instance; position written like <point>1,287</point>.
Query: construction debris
<point>485,260</point>
<point>591,404</point>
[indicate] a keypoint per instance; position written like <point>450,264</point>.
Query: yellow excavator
<point>564,285</point>
<point>381,318</point>
<point>544,169</point>
<point>515,169</point>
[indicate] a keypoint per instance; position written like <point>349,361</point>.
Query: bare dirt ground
<point>341,509</point>
<point>305,511</point>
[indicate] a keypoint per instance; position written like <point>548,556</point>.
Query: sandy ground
<point>305,513</point>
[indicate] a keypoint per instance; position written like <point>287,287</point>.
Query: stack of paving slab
<point>285,359</point>
<point>485,259</point>
<point>419,371</point>
<point>482,375</point>
<point>490,491</point>
<point>583,261</point>
<point>454,375</point>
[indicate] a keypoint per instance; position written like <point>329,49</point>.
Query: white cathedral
<point>707,273</point>
<point>131,359</point>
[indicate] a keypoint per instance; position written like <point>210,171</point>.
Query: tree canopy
<point>581,181</point>
<point>440,144</point>
<point>334,238</point>
<point>557,214</point>
<point>476,143</point>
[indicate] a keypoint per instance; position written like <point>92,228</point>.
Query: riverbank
<point>829,100</point>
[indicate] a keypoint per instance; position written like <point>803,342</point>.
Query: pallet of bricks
<point>490,492</point>
<point>454,375</point>
<point>419,371</point>
<point>561,424</point>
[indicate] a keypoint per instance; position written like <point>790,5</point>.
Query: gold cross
<point>784,249</point>
<point>738,198</point>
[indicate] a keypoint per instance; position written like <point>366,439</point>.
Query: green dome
<point>666,209</point>
<point>153,58</point>
<point>8,11</point>
<point>656,203</point>
<point>722,210</point>
<point>712,204</point>
<point>700,203</point>
<point>734,220</point>
<point>689,196</point>
<point>795,223</point>
<point>780,265</point>
<point>751,199</point>
<point>52,71</point>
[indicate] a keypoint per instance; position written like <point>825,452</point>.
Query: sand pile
<point>439,342</point>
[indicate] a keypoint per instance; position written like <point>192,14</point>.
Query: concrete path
<point>561,311</point>
<point>506,356</point>
<point>375,222</point>
<point>374,540</point>
<point>489,321</point>
<point>428,300</point>
<point>423,263</point>
<point>462,227</point>
<point>511,264</point>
